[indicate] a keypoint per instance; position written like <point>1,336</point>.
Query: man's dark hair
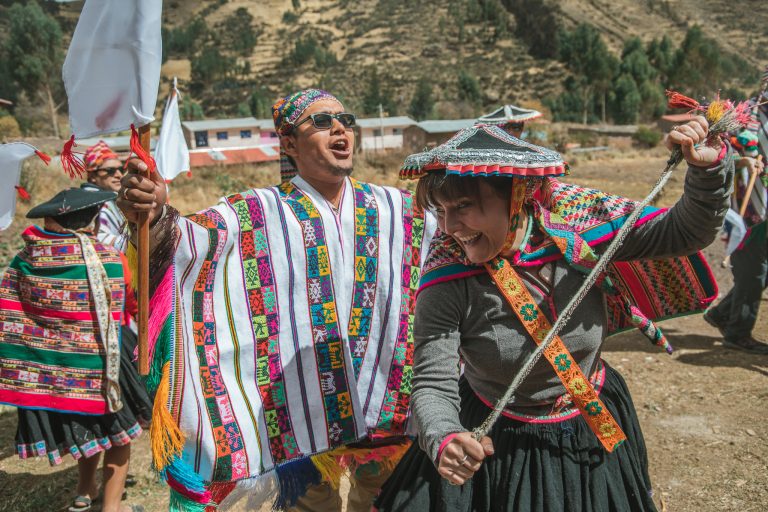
<point>78,219</point>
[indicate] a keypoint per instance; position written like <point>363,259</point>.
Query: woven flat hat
<point>486,150</point>
<point>70,200</point>
<point>509,114</point>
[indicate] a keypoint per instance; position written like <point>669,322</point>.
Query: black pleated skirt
<point>54,434</point>
<point>551,467</point>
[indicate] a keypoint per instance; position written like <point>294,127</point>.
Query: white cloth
<point>171,152</point>
<point>738,230</point>
<point>112,69</point>
<point>11,157</point>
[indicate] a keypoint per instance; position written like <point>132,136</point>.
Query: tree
<point>239,32</point>
<point>423,103</point>
<point>260,103</point>
<point>210,65</point>
<point>585,53</point>
<point>545,16</point>
<point>636,64</point>
<point>697,68</point>
<point>626,99</point>
<point>469,89</point>
<point>33,54</point>
<point>377,94</point>
<point>190,110</point>
<point>661,55</point>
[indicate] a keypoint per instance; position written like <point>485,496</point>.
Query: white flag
<point>738,230</point>
<point>112,69</point>
<point>171,152</point>
<point>11,157</point>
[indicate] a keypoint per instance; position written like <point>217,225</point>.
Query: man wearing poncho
<point>281,323</point>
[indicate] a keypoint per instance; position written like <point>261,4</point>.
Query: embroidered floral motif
<point>578,386</point>
<point>593,408</point>
<point>562,362</point>
<point>607,430</point>
<point>529,312</point>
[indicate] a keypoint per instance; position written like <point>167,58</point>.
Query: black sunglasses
<point>516,126</point>
<point>324,120</point>
<point>109,170</point>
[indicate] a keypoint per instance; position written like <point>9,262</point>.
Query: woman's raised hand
<point>462,457</point>
<point>691,138</point>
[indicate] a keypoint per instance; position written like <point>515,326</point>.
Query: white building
<point>229,133</point>
<point>378,133</point>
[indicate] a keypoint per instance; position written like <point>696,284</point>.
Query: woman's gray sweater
<point>469,319</point>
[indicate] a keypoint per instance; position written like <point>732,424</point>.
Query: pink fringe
<point>160,306</point>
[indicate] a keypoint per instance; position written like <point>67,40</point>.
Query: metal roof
<point>377,122</point>
<point>222,124</point>
<point>445,126</point>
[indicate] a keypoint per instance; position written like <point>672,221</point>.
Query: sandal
<point>81,504</point>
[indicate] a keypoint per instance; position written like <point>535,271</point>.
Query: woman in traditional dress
<point>65,352</point>
<point>515,246</point>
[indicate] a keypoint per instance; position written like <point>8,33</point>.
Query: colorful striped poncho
<point>283,331</point>
<point>52,355</point>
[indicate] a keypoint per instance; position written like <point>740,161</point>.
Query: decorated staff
<point>723,116</point>
<point>111,75</point>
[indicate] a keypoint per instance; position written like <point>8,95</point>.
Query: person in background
<point>65,354</point>
<point>735,316</point>
<point>104,170</point>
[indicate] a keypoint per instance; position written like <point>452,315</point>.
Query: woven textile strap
<point>576,384</point>
<point>102,298</point>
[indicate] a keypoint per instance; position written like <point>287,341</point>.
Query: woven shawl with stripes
<point>51,352</point>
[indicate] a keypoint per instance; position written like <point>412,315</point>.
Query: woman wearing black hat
<point>65,358</point>
<point>515,247</point>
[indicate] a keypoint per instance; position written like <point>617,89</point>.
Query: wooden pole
<point>143,264</point>
<point>750,186</point>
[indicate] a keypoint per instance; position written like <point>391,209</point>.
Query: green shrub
<point>647,136</point>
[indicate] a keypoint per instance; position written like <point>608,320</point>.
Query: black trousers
<point>737,312</point>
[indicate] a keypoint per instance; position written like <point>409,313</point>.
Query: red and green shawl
<point>51,353</point>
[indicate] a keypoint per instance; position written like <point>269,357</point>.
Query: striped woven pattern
<point>51,352</point>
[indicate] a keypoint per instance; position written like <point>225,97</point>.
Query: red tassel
<point>72,165</point>
<point>677,100</point>
<point>139,150</point>
<point>22,193</point>
<point>45,158</point>
<point>189,174</point>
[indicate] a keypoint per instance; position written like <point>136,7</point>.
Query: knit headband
<point>286,112</point>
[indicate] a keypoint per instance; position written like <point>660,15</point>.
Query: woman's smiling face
<point>479,224</point>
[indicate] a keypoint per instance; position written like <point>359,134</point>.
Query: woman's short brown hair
<point>439,185</point>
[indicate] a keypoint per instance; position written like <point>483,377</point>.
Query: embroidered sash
<point>567,369</point>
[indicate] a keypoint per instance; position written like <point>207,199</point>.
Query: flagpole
<point>143,266</point>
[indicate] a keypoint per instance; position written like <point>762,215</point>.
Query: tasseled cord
<point>72,164</point>
<point>677,100</point>
<point>188,490</point>
<point>139,151</point>
<point>23,194</point>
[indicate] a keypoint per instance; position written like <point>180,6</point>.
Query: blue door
<point>201,139</point>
